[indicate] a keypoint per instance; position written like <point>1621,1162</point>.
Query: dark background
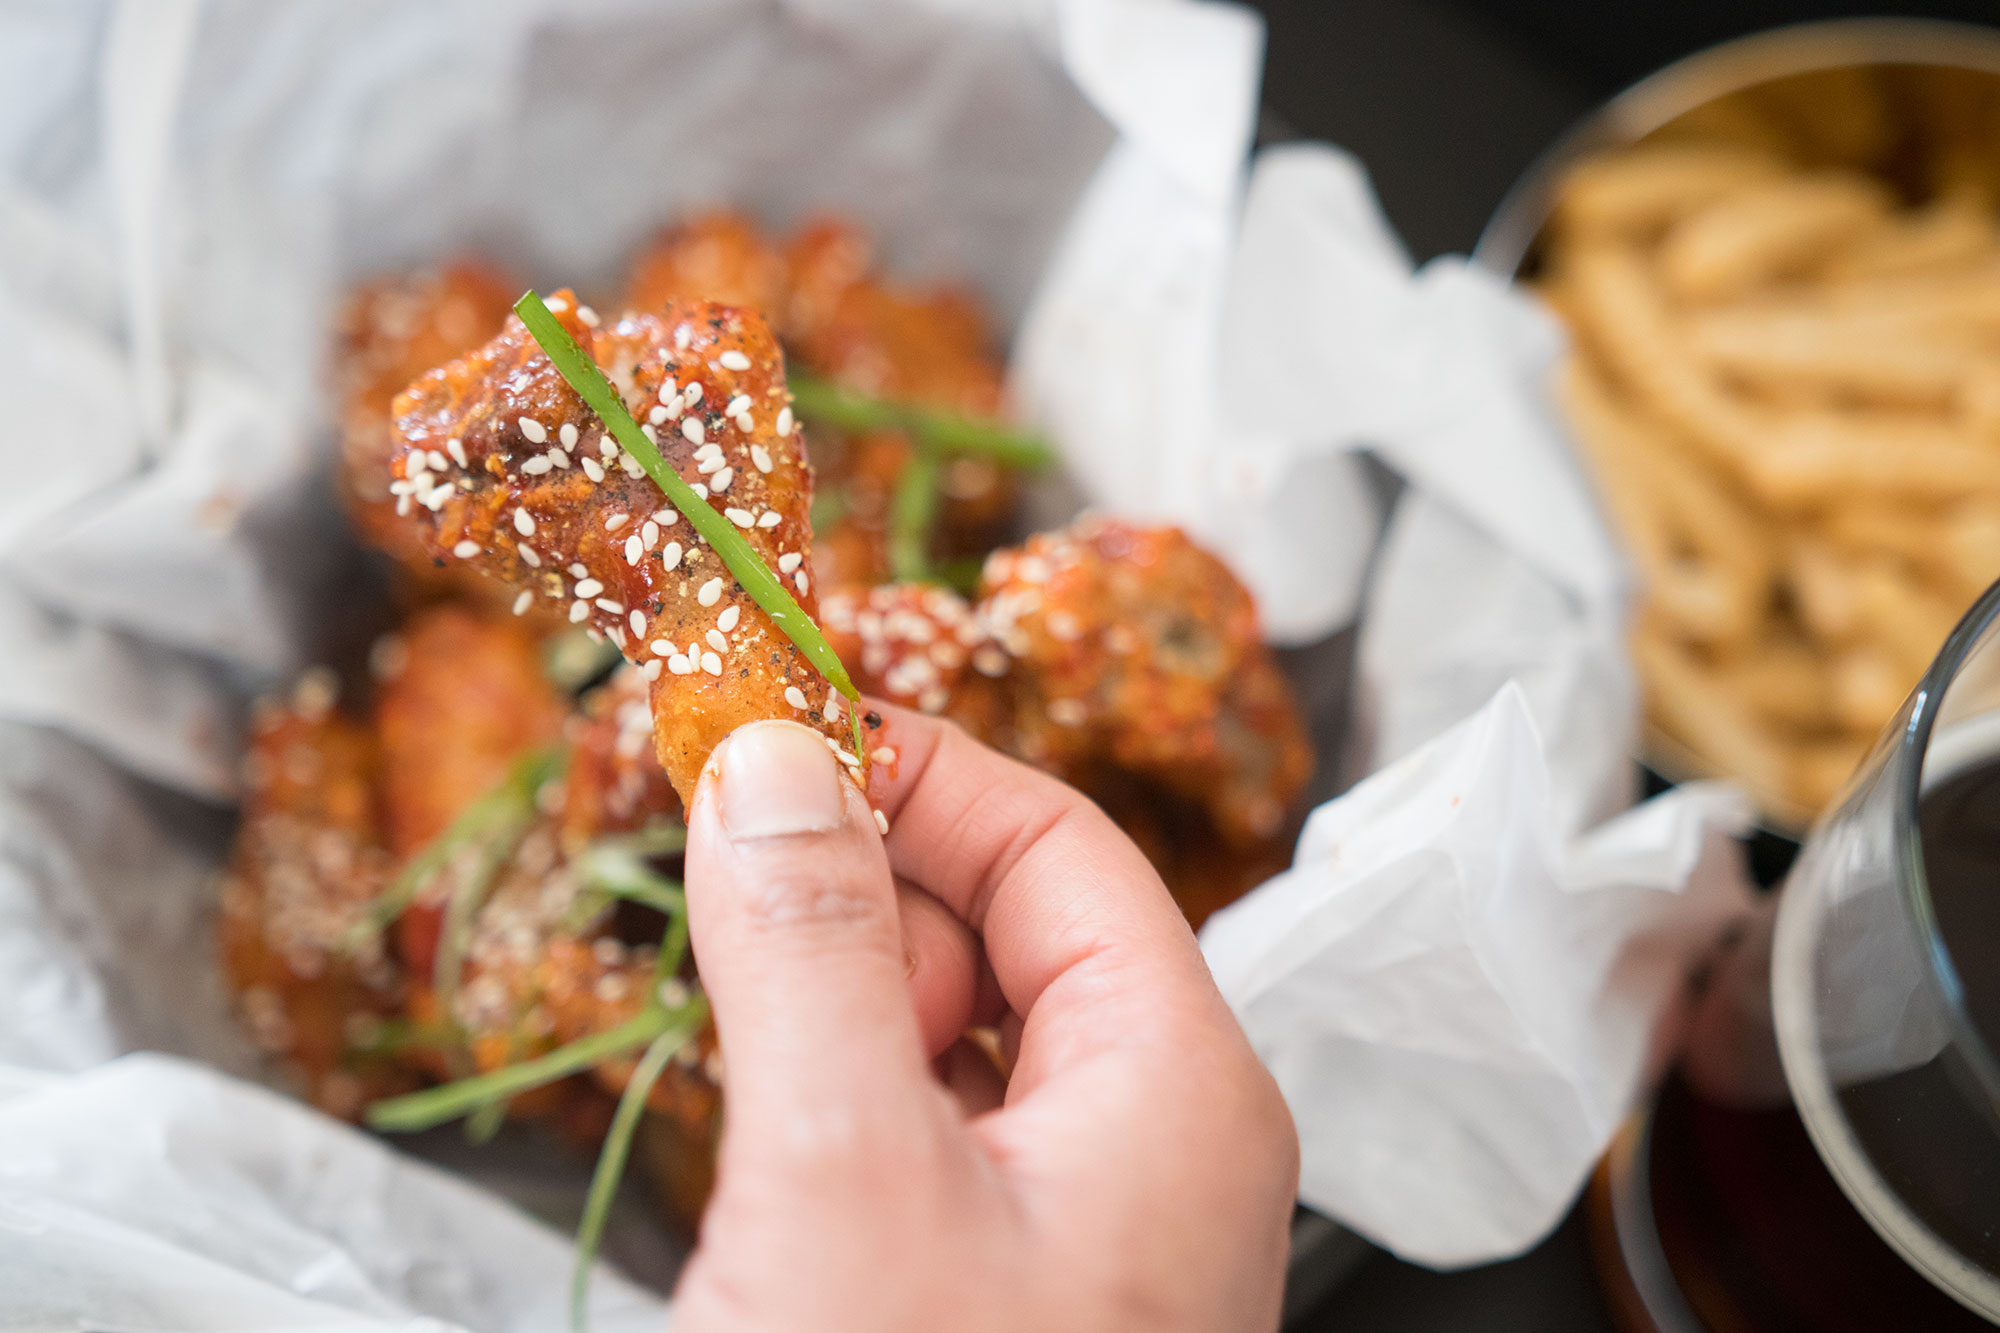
<point>1447,103</point>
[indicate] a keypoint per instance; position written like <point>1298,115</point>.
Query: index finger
<point>1051,885</point>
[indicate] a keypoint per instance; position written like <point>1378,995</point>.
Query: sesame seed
<point>799,582</point>
<point>631,466</point>
<point>579,570</point>
<point>557,457</point>
<point>691,392</point>
<point>744,423</point>
<point>556,304</point>
<point>734,360</point>
<point>436,460</point>
<point>691,428</point>
<point>716,641</point>
<point>680,664</point>
<point>712,463</point>
<point>456,448</point>
<point>711,664</point>
<point>740,517</point>
<point>522,602</point>
<point>528,554</point>
<point>587,316</point>
<point>435,500</point>
<point>699,488</point>
<point>634,548</point>
<point>770,518</point>
<point>592,468</point>
<point>567,434</point>
<point>796,697</point>
<point>884,755</point>
<point>606,446</point>
<point>579,612</point>
<point>537,465</point>
<point>651,671</point>
<point>784,421</point>
<point>533,430</point>
<point>588,588</point>
<point>616,521</point>
<point>613,608</point>
<point>708,451</point>
<point>663,647</point>
<point>649,535</point>
<point>711,592</point>
<point>737,406</point>
<point>646,429</point>
<point>882,823</point>
<point>720,481</point>
<point>524,523</point>
<point>658,415</point>
<point>727,620</point>
<point>668,516</point>
<point>466,549</point>
<point>638,622</point>
<point>789,561</point>
<point>671,557</point>
<point>846,758</point>
<point>1067,712</point>
<point>832,709</point>
<point>761,457</point>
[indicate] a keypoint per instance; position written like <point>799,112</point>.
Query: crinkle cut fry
<point>548,503</point>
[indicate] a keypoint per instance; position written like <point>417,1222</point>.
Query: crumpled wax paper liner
<point>186,188</point>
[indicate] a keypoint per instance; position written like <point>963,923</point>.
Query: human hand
<point>1138,1169</point>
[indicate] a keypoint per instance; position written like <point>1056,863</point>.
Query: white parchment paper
<point>1455,983</point>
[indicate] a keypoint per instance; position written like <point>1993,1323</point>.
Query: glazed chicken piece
<point>841,321</point>
<point>306,864</point>
<point>718,256</point>
<point>391,331</point>
<point>915,345</point>
<point>1131,645</point>
<point>461,697</point>
<point>1127,662</point>
<point>536,494</point>
<point>923,647</point>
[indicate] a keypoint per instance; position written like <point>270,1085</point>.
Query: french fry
<point>1638,193</point>
<point>1704,562</point>
<point>1801,355</point>
<point>1954,231</point>
<point>1766,231</point>
<point>1623,317</point>
<point>1696,706</point>
<point>1838,116</point>
<point>1816,458</point>
<point>1781,678</point>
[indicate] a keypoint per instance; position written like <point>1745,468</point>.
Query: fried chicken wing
<point>923,647</point>
<point>539,496</point>
<point>307,862</point>
<point>391,331</point>
<point>717,256</point>
<point>1134,644</point>
<point>461,697</point>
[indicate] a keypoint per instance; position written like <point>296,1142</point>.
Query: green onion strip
<point>610,1170</point>
<point>737,554</point>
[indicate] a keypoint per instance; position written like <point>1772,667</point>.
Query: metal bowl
<point>1508,246</point>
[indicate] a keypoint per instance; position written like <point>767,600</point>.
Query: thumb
<point>793,915</point>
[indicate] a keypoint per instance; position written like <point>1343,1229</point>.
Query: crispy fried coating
<point>307,861</point>
<point>391,331</point>
<point>1133,645</point>
<point>548,504</point>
